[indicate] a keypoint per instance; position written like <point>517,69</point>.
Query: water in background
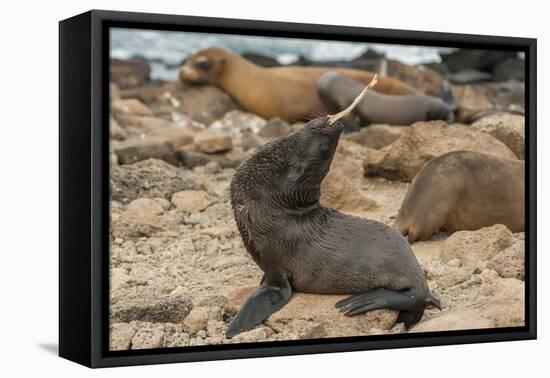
<point>165,50</point>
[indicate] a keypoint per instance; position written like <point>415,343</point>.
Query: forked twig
<point>332,119</point>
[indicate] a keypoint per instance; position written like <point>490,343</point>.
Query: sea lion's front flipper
<point>265,301</point>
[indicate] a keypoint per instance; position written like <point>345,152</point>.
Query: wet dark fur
<point>303,246</point>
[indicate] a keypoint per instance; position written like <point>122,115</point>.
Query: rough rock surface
<point>148,338</point>
<point>475,99</point>
<point>495,303</point>
<point>150,178</point>
<point>211,141</point>
<point>376,136</point>
<point>120,336</point>
<point>191,201</point>
<point>424,141</point>
<point>130,107</point>
<point>143,217</point>
<point>506,127</point>
<point>140,303</point>
<point>190,157</point>
<point>129,73</point>
<point>204,104</point>
<point>237,121</point>
<point>143,149</point>
<point>341,188</point>
<point>476,248</point>
<point>274,128</point>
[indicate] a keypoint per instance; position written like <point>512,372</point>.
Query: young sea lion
<point>303,246</point>
<point>288,92</point>
<point>338,91</point>
<point>464,190</point>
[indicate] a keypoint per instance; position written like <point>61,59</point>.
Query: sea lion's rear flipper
<point>411,307</point>
<point>265,301</point>
<point>376,299</point>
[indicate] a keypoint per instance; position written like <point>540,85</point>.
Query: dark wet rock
<point>261,60</point>
<point>129,73</point>
<point>469,76</point>
<point>483,60</point>
<point>510,69</point>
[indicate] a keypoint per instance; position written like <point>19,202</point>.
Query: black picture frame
<point>84,188</point>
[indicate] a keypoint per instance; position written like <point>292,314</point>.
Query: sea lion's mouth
<point>333,119</point>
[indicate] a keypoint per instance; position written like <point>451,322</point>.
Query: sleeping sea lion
<point>464,190</point>
<point>338,91</point>
<point>288,92</point>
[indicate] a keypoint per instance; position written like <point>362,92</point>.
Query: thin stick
<point>332,119</point>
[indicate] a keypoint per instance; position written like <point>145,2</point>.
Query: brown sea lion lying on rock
<point>464,190</point>
<point>288,92</point>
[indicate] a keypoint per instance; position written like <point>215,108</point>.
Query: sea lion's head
<point>205,66</point>
<point>287,172</point>
<point>315,145</point>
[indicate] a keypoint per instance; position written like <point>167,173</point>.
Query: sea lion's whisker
<point>332,119</point>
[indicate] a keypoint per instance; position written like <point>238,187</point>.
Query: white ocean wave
<point>166,49</point>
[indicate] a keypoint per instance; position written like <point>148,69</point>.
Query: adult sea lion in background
<point>338,91</point>
<point>288,92</point>
<point>303,246</point>
<point>464,190</point>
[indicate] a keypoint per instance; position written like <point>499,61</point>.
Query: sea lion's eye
<point>325,151</point>
<point>203,65</point>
